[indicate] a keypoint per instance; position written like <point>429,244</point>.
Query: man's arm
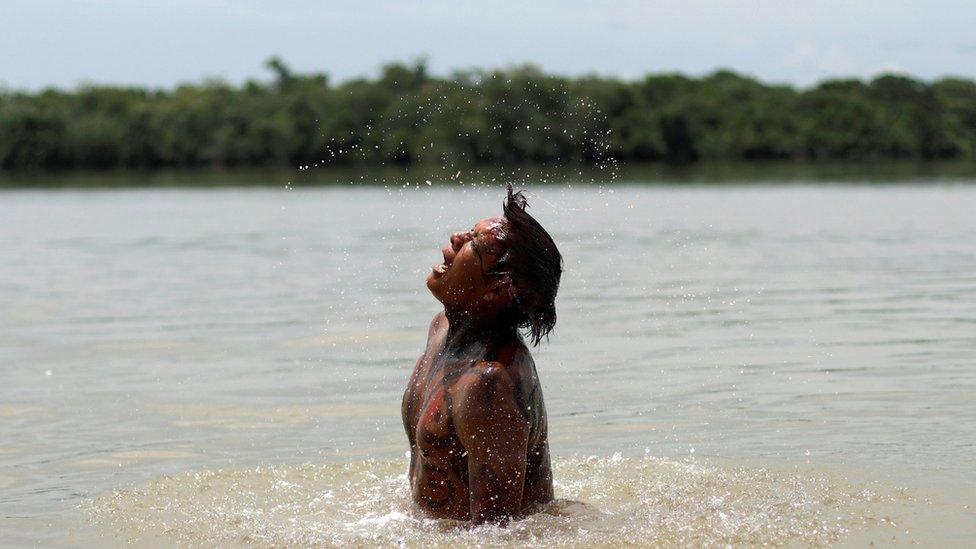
<point>495,436</point>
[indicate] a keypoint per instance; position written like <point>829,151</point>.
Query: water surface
<point>732,340</point>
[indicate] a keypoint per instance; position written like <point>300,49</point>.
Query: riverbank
<point>532,175</point>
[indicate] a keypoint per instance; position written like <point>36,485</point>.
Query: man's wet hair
<point>535,265</point>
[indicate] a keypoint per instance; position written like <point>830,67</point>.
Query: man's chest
<point>435,398</point>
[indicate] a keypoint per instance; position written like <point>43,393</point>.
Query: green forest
<point>406,116</point>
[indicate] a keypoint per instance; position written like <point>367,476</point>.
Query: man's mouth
<point>448,253</point>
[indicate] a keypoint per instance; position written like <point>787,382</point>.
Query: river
<point>739,364</point>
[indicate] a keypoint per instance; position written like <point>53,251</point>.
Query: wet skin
<point>473,408</point>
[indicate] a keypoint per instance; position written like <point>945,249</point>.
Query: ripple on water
<point>603,502</point>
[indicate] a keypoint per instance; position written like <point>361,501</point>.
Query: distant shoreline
<point>513,116</point>
<point>768,172</point>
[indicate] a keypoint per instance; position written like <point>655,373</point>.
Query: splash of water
<point>603,502</point>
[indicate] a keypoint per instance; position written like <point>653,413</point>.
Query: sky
<point>160,43</point>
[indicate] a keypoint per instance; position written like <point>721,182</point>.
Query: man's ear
<point>501,290</point>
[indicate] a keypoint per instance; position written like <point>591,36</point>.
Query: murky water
<point>604,502</point>
<point>784,365</point>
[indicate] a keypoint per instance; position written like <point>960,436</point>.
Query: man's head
<point>506,267</point>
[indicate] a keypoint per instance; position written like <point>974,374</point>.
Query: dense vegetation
<point>518,115</point>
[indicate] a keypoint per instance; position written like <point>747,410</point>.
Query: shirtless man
<point>473,408</point>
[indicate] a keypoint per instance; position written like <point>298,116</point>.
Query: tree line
<point>407,116</point>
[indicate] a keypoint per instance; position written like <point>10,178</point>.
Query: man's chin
<point>432,284</point>
<point>435,287</point>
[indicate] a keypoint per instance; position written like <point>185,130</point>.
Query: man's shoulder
<point>490,371</point>
<point>487,403</point>
<point>508,362</point>
<point>487,386</point>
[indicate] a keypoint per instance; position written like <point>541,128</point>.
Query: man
<point>473,408</point>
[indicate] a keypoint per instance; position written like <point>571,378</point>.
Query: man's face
<point>462,280</point>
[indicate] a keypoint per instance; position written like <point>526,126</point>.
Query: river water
<point>784,364</point>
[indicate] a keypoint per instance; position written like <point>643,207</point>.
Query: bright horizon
<point>64,43</point>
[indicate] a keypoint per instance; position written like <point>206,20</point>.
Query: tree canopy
<point>406,116</point>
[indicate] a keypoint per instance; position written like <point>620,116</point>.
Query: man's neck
<point>465,330</point>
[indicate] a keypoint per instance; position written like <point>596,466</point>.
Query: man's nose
<point>458,240</point>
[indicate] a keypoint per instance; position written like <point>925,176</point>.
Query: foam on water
<point>602,502</point>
